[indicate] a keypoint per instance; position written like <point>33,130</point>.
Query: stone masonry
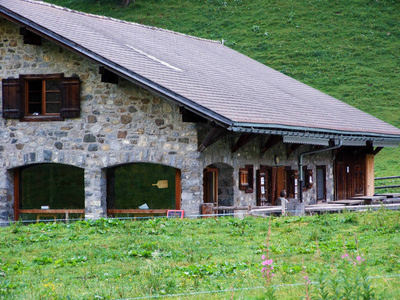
<point>120,124</point>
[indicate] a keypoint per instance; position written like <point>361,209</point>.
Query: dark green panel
<point>58,186</point>
<point>131,186</point>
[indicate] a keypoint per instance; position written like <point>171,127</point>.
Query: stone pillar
<point>95,193</point>
<point>192,190</point>
<point>6,197</point>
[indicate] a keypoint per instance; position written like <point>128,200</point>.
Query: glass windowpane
<point>52,97</point>
<point>52,85</point>
<point>52,108</point>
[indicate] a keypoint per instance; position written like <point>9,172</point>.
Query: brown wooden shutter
<point>70,97</point>
<point>12,100</point>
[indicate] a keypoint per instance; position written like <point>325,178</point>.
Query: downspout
<point>328,148</point>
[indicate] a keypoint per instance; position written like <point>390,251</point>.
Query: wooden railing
<point>387,186</point>
<point>51,212</point>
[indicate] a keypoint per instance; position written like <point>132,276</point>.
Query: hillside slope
<point>347,49</point>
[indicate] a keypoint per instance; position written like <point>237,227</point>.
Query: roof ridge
<point>41,2</point>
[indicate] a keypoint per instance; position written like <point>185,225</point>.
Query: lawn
<point>214,258</point>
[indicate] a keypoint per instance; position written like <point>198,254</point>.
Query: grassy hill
<point>347,49</point>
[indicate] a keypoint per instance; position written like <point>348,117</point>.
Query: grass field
<point>347,49</point>
<point>216,258</point>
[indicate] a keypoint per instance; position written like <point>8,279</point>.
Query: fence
<point>387,181</point>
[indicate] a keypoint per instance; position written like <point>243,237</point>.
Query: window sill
<point>41,118</point>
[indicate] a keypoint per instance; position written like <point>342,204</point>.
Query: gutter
<point>266,128</point>
<point>301,164</point>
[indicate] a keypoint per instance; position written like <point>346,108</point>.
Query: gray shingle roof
<point>203,75</point>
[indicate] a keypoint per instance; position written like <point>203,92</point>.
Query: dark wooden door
<point>349,174</point>
<point>358,180</point>
<point>210,185</point>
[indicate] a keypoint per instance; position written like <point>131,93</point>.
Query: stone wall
<point>249,154</point>
<point>119,124</point>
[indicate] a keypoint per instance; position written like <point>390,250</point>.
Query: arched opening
<point>218,185</point>
<point>48,189</point>
<point>143,188</point>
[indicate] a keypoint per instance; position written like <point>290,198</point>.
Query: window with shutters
<point>49,97</point>
<point>246,178</point>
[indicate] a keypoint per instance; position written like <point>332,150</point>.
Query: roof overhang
<point>318,136</point>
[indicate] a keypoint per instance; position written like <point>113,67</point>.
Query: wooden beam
<point>30,38</point>
<point>215,134</point>
<point>243,140</point>
<point>108,76</point>
<point>272,141</point>
<point>292,148</point>
<point>377,150</point>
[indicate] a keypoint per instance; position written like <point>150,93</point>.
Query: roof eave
<point>318,135</point>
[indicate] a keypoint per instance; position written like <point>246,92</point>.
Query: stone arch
<point>47,185</point>
<point>142,187</point>
<point>223,174</point>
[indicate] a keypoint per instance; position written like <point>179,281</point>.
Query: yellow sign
<point>161,184</point>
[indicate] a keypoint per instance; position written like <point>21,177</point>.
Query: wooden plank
<point>369,175</point>
<point>51,211</point>
<point>178,189</point>
<point>243,140</point>
<point>215,134</point>
<point>327,208</point>
<point>389,195</point>
<point>370,198</point>
<point>272,141</point>
<point>137,211</point>
<point>348,202</point>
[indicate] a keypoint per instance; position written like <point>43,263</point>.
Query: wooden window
<point>41,97</point>
<point>210,185</point>
<point>246,178</point>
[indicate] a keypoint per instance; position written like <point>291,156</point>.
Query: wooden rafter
<point>243,140</point>
<point>272,141</point>
<point>215,134</point>
<point>377,150</point>
<point>292,148</point>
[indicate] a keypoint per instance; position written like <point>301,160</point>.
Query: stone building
<point>102,117</point>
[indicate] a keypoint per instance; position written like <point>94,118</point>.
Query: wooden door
<point>210,185</point>
<point>276,180</point>
<point>349,174</point>
<point>340,180</point>
<point>358,180</point>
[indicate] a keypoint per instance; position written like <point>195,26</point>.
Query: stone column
<point>95,193</point>
<point>192,190</point>
<point>6,197</point>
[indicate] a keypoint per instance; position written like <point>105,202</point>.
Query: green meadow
<point>344,256</point>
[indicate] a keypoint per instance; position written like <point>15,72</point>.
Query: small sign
<point>44,207</point>
<point>161,184</point>
<point>175,214</point>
